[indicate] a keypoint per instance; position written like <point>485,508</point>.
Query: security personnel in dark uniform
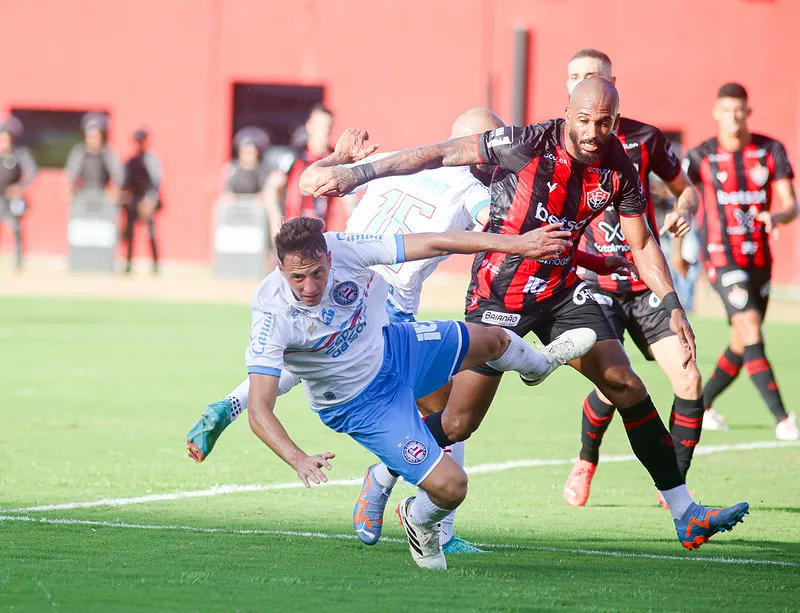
<point>91,165</point>
<point>140,197</point>
<point>17,170</point>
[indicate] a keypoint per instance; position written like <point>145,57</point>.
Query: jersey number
<point>394,214</point>
<point>427,331</point>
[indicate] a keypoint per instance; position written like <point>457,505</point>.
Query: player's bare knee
<point>621,383</point>
<point>689,383</point>
<point>454,490</point>
<point>459,428</point>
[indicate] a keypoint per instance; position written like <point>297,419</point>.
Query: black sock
<point>434,423</point>
<point>652,444</point>
<point>760,371</point>
<point>685,423</point>
<point>596,417</point>
<point>728,366</point>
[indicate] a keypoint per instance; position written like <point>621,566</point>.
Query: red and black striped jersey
<point>537,183</point>
<point>733,186</point>
<point>299,204</point>
<point>650,151</point>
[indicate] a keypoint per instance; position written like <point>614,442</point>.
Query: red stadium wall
<point>401,71</point>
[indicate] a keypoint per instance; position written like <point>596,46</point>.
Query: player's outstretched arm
<point>653,270</point>
<point>789,208</point>
<point>543,243</point>
<point>337,181</point>
<point>267,427</point>
<point>679,220</point>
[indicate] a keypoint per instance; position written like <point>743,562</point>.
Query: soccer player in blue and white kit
<point>321,316</point>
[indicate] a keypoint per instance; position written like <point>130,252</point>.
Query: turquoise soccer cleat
<point>204,434</point>
<point>457,545</point>
<point>699,524</point>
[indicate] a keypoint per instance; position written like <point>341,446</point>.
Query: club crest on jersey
<point>414,452</point>
<point>597,198</point>
<point>759,174</point>
<point>722,176</point>
<point>345,293</point>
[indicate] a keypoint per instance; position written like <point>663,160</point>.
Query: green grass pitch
<point>95,400</point>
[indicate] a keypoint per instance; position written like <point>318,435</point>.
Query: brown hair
<point>303,236</point>
<point>595,54</point>
<point>732,90</point>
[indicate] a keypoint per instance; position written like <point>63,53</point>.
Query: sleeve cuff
<point>264,370</point>
<point>401,248</point>
<point>639,214</point>
<point>478,208</point>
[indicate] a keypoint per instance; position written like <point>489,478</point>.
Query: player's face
<point>590,128</point>
<point>307,277</point>
<point>586,67</point>
<point>731,115</point>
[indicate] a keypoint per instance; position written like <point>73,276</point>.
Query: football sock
<point>651,443</point>
<point>678,498</point>
<point>238,398</point>
<point>425,513</point>
<point>520,356</point>
<point>383,476</point>
<point>728,366</point>
<point>446,530</point>
<point>597,415</point>
<point>760,371</point>
<point>685,424</point>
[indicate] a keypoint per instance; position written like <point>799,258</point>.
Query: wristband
<point>671,302</point>
<point>364,173</point>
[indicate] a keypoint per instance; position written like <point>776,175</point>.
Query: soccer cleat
<point>569,346</point>
<point>368,513</point>
<point>457,545</point>
<point>713,420</point>
<point>786,430</point>
<point>204,434</point>
<point>699,524</point>
<point>576,491</point>
<point>423,543</point>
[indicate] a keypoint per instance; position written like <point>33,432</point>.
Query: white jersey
<point>435,200</point>
<point>336,347</point>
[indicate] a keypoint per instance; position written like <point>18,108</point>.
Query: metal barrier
<point>240,238</point>
<point>92,232</point>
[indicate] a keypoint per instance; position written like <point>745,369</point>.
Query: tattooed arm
<point>336,180</point>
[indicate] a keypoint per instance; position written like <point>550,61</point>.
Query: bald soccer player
<point>627,301</point>
<point>564,171</point>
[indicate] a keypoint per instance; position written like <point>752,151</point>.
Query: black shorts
<point>574,307</point>
<point>640,313</point>
<point>740,289</point>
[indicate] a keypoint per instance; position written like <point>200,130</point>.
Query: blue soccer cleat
<point>699,524</point>
<point>204,434</point>
<point>368,512</point>
<point>457,545</point>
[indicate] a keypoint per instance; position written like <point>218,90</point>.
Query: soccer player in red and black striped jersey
<point>627,301</point>
<point>564,171</point>
<point>740,174</point>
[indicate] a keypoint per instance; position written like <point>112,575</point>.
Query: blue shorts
<point>397,316</point>
<point>418,359</point>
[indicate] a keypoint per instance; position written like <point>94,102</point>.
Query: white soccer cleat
<point>713,420</point>
<point>571,345</point>
<point>423,543</point>
<point>786,430</point>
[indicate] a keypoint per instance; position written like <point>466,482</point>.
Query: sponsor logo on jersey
<point>496,318</point>
<point>597,198</point>
<point>535,285</point>
<point>758,153</point>
<point>570,225</point>
<point>745,223</point>
<point>414,452</point>
<point>260,332</point>
<point>581,294</point>
<point>749,247</point>
<point>345,339</point>
<point>357,238</point>
<point>759,174</point>
<point>719,157</point>
<point>552,186</point>
<point>624,247</point>
<point>738,297</point>
<point>553,157</point>
<point>732,277</point>
<point>630,145</point>
<point>487,264</point>
<point>742,197</point>
<point>610,232</point>
<point>345,293</point>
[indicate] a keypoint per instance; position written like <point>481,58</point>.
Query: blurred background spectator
<point>141,196</point>
<point>17,171</point>
<point>91,165</point>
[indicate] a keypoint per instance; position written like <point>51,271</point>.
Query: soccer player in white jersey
<point>321,316</point>
<point>430,201</point>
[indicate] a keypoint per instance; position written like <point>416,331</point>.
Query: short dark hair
<point>303,236</point>
<point>732,90</point>
<point>319,107</point>
<point>595,54</point>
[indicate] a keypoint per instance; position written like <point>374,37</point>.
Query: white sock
<point>446,529</point>
<point>383,476</point>
<point>678,499</point>
<point>426,514</point>
<point>238,398</point>
<point>520,356</point>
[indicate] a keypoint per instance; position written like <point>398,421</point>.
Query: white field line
<point>478,469</point>
<point>321,535</point>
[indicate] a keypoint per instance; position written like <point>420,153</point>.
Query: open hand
<point>676,224</point>
<point>352,145</point>
<point>679,324</point>
<point>310,468</point>
<point>546,242</point>
<point>620,263</point>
